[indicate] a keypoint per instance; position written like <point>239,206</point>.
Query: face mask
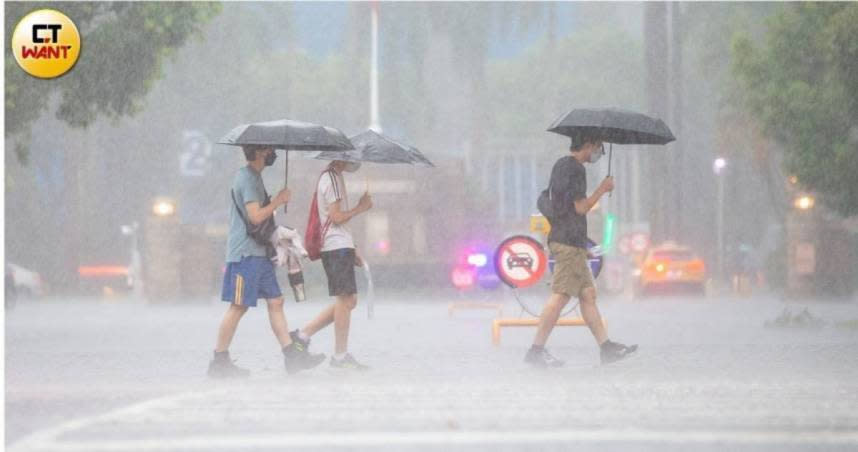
<point>597,154</point>
<point>270,158</point>
<point>351,167</point>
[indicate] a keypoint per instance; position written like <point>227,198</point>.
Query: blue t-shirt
<point>246,187</point>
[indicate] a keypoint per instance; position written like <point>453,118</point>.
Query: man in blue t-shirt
<point>249,271</point>
<point>567,242</point>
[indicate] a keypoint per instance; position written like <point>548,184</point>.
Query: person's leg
<point>278,321</point>
<point>591,315</point>
<point>325,318</point>
<point>343,307</point>
<point>548,318</point>
<point>228,326</point>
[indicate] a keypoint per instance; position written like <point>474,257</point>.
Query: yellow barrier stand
<point>474,305</point>
<point>500,323</point>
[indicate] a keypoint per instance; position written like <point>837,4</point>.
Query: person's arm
<point>338,216</point>
<point>256,214</point>
<point>583,205</point>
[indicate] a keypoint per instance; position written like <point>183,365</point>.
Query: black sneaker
<point>348,363</point>
<point>221,366</point>
<point>296,357</point>
<point>301,344</point>
<point>539,357</point>
<point>613,351</point>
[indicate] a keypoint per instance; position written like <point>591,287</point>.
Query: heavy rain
<point>539,226</point>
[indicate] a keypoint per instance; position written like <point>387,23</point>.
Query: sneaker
<point>348,362</point>
<point>539,357</point>
<point>613,351</point>
<point>221,366</point>
<point>300,343</point>
<point>296,357</point>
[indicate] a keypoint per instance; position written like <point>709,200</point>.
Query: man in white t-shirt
<point>339,259</point>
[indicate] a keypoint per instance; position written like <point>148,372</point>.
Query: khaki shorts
<point>571,270</point>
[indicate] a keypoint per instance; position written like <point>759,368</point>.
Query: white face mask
<point>351,167</point>
<point>597,154</point>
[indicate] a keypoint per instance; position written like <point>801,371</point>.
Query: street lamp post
<point>718,167</point>
<point>374,122</point>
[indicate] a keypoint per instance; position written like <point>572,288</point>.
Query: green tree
<point>123,49</point>
<point>802,85</point>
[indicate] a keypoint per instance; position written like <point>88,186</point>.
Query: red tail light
<point>104,270</point>
<point>659,266</point>
<point>695,266</point>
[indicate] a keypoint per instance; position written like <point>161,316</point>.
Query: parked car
<point>26,283</point>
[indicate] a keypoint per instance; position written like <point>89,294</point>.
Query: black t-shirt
<point>568,184</point>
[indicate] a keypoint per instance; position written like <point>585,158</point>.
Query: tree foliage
<point>802,84</point>
<point>123,48</point>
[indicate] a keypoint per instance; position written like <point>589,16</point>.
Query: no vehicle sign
<point>520,261</point>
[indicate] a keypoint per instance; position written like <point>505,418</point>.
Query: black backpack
<point>545,204</point>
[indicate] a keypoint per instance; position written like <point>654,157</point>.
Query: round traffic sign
<point>595,257</point>
<point>520,261</point>
<point>640,242</point>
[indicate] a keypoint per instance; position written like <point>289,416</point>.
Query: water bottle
<point>296,280</point>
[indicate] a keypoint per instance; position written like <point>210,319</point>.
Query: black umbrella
<point>374,147</point>
<point>288,135</point>
<point>613,125</point>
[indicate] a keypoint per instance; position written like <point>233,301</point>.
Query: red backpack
<point>314,235</point>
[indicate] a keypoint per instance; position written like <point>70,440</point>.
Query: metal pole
<point>374,122</point>
<point>720,224</point>
<point>676,116</point>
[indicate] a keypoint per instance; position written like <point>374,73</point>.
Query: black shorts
<point>340,269</point>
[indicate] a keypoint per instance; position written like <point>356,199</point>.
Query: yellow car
<point>670,267</point>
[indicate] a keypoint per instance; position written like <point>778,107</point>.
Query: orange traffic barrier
<point>497,324</point>
<point>474,305</point>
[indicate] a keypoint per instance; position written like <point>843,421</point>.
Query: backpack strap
<point>315,195</point>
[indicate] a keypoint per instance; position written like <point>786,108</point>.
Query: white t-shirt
<point>332,188</point>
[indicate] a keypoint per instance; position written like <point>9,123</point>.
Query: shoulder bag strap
<point>328,221</point>
<point>235,203</point>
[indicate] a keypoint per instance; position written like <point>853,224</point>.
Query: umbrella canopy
<point>289,135</point>
<point>374,147</point>
<point>613,125</point>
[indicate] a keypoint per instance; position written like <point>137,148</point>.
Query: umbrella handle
<point>286,179</point>
<point>610,157</point>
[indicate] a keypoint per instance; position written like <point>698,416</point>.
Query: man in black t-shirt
<point>568,244</point>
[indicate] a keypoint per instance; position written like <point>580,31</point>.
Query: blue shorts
<point>246,281</point>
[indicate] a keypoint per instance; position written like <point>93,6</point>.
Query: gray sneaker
<point>611,352</point>
<point>348,363</point>
<point>539,357</point>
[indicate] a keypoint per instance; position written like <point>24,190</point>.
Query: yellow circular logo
<point>46,43</point>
